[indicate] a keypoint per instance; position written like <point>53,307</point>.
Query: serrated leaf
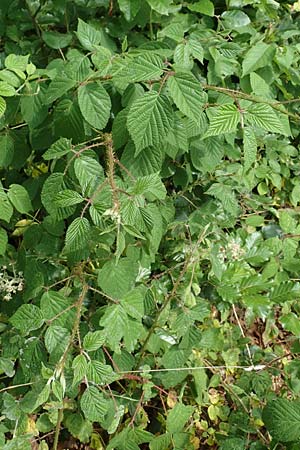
<point>19,197</point>
<point>178,416</point>
<point>282,417</point>
<point>259,55</point>
<point>60,148</point>
<point>187,94</point>
<point>160,6</point>
<point>2,106</point>
<point>57,88</point>
<point>99,373</point>
<point>56,338</point>
<point>263,116</point>
<point>93,404</point>
<point>117,280</point>
<point>114,322</point>
<point>52,186</point>
<point>6,89</point>
<point>133,303</point>
<point>79,365</point>
<point>250,147</point>
<point>89,173</point>
<point>6,150</point>
<point>33,107</point>
<point>27,318</point>
<point>93,340</point>
<point>147,161</point>
<point>149,120</point>
<point>205,7</point>
<point>142,68</point>
<point>7,367</point>
<point>6,209</point>
<point>3,241</point>
<point>129,8</point>
<point>78,427</point>
<point>225,121</point>
<point>207,154</point>
<point>56,40</point>
<point>88,36</point>
<point>94,103</point>
<point>78,234</point>
<point>150,184</point>
<point>54,304</point>
<point>68,198</point>
<point>16,62</point>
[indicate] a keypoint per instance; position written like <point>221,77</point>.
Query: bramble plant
<point>149,224</point>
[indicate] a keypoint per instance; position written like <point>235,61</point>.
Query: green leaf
<point>114,322</point>
<point>117,280</point>
<point>282,418</point>
<point>79,365</point>
<point>27,318</point>
<point>250,147</point>
<point>160,6</point>
<point>290,322</point>
<point>150,184</point>
<point>235,19</point>
<point>143,68</point>
<point>56,40</point>
<point>129,8</point>
<point>54,304</point>
<point>99,373</point>
<point>68,198</point>
<point>187,94</point>
<point>264,116</point>
<point>178,416</point>
<point>225,120</point>
<point>16,63</point>
<point>6,150</point>
<point>2,106</point>
<point>7,367</point>
<point>259,87</point>
<point>89,174</point>
<point>149,120</point>
<point>60,148</point>
<point>259,55</point>
<point>57,88</point>
<point>6,89</point>
<point>33,107</point>
<point>93,340</point>
<point>56,339</point>
<point>88,36</point>
<point>207,154</point>
<point>78,234</point>
<point>6,209</point>
<point>3,241</point>
<point>94,103</point>
<point>19,197</point>
<point>93,404</point>
<point>147,161</point>
<point>205,7</point>
<point>78,427</point>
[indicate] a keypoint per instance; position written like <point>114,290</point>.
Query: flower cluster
<point>10,285</point>
<point>232,251</point>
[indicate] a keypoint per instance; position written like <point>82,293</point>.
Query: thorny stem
<point>238,94</point>
<point>81,298</point>
<point>171,295</point>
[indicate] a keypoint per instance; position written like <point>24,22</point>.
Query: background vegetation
<point>149,212</point>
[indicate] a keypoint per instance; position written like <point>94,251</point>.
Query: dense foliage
<point>149,224</point>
